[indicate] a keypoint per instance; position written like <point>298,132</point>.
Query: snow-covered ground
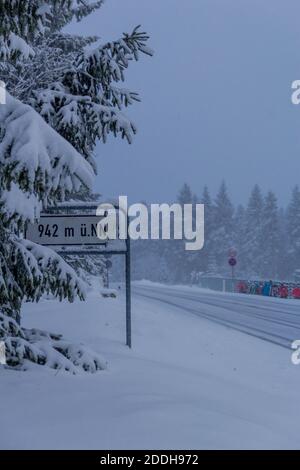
<point>187,383</point>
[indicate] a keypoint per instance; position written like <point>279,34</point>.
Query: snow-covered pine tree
<point>183,262</point>
<point>293,229</point>
<point>223,231</point>
<point>75,89</point>
<point>66,102</point>
<point>252,249</point>
<point>37,167</point>
<point>185,195</point>
<point>286,267</point>
<point>206,253</point>
<point>239,220</point>
<point>270,244</point>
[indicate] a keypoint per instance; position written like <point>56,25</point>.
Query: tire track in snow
<point>264,325</point>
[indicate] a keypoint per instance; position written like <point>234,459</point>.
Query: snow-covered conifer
<point>222,235</point>
<point>61,98</point>
<point>252,251</point>
<point>270,245</point>
<point>239,221</point>
<point>293,229</point>
<point>206,252</point>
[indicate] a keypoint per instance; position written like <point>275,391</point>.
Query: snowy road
<point>273,320</point>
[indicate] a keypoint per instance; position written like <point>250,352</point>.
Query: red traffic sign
<point>232,261</point>
<point>232,253</point>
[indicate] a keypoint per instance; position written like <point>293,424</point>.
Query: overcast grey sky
<point>216,97</point>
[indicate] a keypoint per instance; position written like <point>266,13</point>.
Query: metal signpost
<point>232,261</point>
<point>72,230</point>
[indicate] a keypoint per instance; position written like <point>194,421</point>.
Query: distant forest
<point>266,237</point>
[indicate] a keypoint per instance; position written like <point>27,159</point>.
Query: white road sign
<point>65,230</point>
